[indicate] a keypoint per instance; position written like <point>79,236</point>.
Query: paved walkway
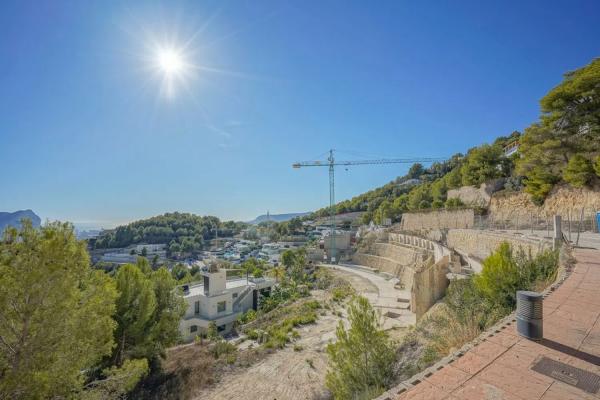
<point>500,367</point>
<point>387,298</point>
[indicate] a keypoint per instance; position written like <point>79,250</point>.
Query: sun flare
<point>170,61</point>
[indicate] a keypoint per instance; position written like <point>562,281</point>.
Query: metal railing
<point>574,223</point>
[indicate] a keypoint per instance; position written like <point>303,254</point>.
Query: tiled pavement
<point>499,367</point>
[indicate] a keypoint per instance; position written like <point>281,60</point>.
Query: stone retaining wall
<point>387,265</point>
<point>482,243</point>
<point>400,254</point>
<point>442,219</point>
<point>429,285</point>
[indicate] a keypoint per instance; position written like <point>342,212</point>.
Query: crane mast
<point>331,163</point>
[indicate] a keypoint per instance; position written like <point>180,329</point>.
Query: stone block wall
<point>387,265</point>
<point>482,243</point>
<point>443,219</point>
<point>400,254</point>
<point>429,285</point>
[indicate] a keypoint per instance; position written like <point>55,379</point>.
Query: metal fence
<point>574,222</point>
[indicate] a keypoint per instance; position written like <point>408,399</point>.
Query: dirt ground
<point>288,374</point>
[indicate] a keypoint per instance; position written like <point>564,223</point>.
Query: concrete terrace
<point>500,367</point>
<point>386,299</point>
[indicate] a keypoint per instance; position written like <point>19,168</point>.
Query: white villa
<point>220,300</point>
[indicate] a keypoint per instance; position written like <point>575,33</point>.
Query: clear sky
<point>89,134</point>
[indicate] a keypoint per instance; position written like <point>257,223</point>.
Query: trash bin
<point>530,314</point>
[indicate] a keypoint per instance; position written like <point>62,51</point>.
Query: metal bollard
<point>530,312</point>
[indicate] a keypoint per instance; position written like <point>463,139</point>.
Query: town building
<point>219,300</point>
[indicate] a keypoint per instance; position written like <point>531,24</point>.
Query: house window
<point>193,328</point>
<point>221,306</point>
<point>197,307</point>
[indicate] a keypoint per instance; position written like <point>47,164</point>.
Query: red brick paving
<point>500,367</point>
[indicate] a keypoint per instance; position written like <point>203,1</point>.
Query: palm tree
<point>278,273</point>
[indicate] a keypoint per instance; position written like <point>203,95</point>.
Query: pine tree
<point>56,313</point>
<point>579,171</point>
<point>361,360</point>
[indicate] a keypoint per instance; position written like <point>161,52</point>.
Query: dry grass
<point>189,369</point>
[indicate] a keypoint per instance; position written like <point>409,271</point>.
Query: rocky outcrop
<point>563,200</point>
<point>477,196</point>
<point>14,219</point>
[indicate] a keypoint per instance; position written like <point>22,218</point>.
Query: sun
<point>170,62</point>
<point>172,66</point>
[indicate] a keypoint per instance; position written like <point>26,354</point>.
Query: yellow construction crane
<point>331,163</point>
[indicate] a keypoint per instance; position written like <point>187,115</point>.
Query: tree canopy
<point>569,127</point>
<point>56,312</point>
<point>361,359</point>
<point>182,232</point>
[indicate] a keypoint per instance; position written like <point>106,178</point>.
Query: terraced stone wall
<point>482,243</point>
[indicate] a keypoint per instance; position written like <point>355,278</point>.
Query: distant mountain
<point>276,217</point>
<point>14,219</point>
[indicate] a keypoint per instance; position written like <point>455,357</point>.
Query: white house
<point>220,300</point>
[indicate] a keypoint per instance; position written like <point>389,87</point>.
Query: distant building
<point>124,256</point>
<point>342,240</point>
<point>410,182</point>
<point>511,148</point>
<point>219,300</point>
<point>151,248</point>
<point>119,258</point>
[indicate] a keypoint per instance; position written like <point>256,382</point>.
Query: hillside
<point>14,219</point>
<point>182,232</point>
<point>561,148</point>
<point>276,217</point>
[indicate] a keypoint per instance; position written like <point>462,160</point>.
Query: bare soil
<point>287,374</point>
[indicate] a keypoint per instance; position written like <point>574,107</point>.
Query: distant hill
<point>276,217</point>
<point>14,219</point>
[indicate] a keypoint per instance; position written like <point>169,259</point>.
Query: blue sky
<point>87,136</point>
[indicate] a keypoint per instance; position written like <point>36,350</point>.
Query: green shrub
<point>341,292</point>
<point>252,334</point>
<point>468,305</point>
<point>500,277</point>
<point>538,272</point>
<point>597,166</point>
<point>454,202</point>
<point>222,347</point>
<point>362,358</point>
<point>437,204</point>
<point>231,358</point>
<point>504,273</point>
<point>579,171</point>
<point>212,332</point>
<point>247,317</point>
<point>539,182</point>
<point>481,165</point>
<point>312,305</point>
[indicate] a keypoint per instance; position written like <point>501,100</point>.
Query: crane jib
<point>331,163</point>
<point>364,162</point>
